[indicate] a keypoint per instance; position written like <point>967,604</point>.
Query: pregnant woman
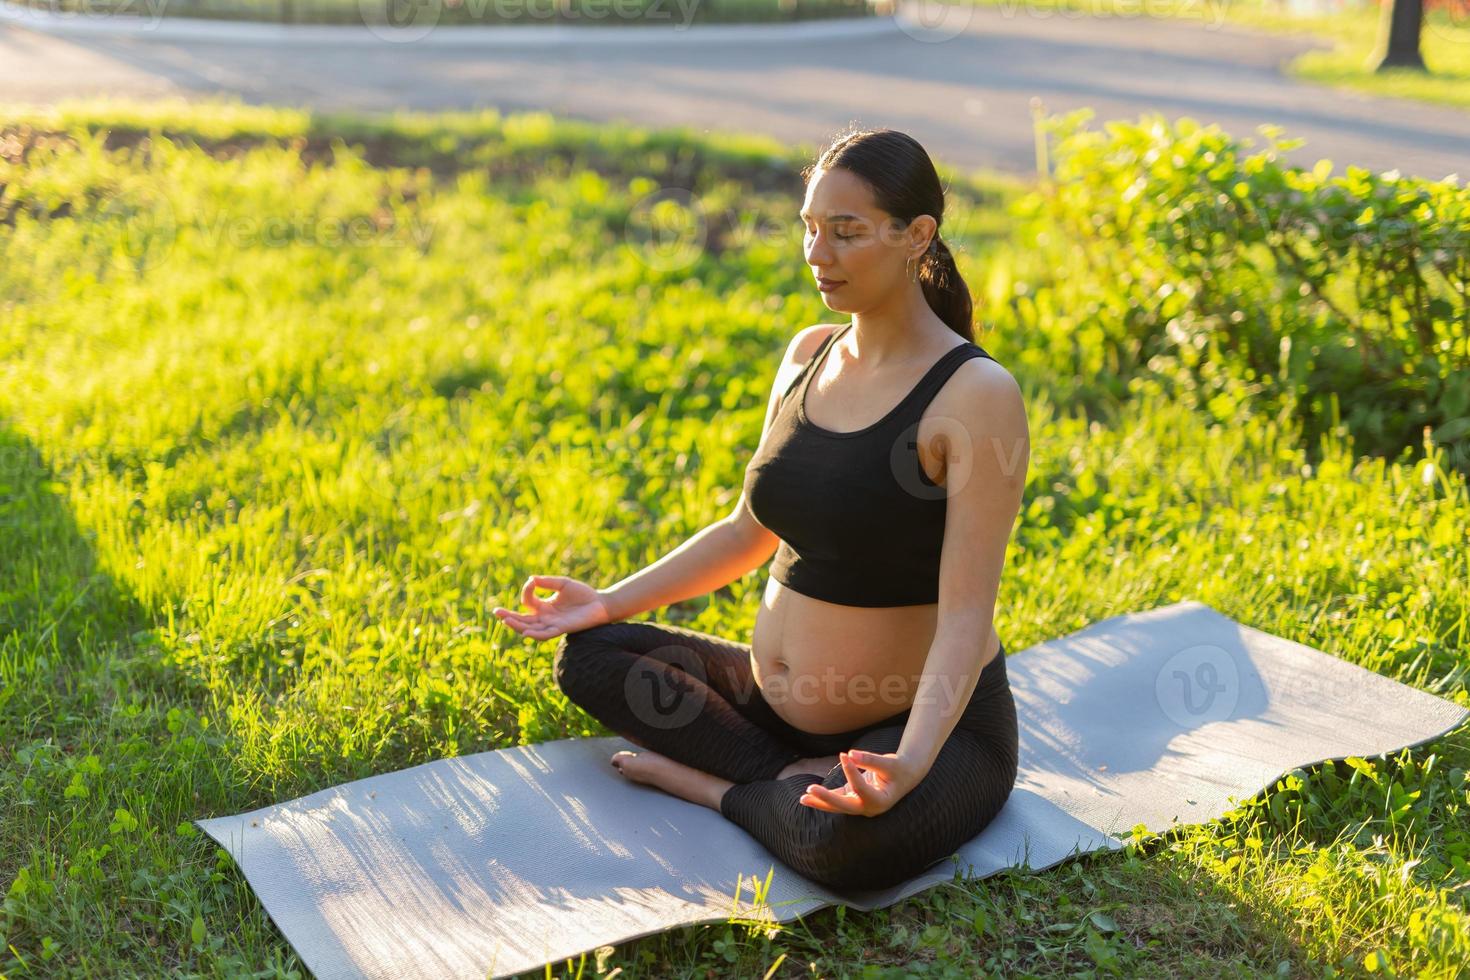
<point>868,729</point>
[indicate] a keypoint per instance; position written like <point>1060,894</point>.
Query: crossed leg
<point>684,694</point>
<point>964,789</point>
<point>691,698</point>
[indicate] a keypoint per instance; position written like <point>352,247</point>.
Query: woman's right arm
<point>711,559</point>
<point>726,550</point>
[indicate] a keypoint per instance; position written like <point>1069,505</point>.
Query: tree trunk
<point>1398,35</point>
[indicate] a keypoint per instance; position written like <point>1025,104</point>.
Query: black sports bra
<point>860,522</point>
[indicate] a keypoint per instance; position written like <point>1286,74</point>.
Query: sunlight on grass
<point>290,403</point>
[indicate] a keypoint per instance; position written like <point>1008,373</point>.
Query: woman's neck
<point>885,338</point>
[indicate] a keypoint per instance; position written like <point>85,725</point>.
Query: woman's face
<point>850,240</point>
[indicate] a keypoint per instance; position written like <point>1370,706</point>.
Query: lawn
<point>290,402</point>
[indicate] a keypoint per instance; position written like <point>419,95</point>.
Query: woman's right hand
<point>575,606</point>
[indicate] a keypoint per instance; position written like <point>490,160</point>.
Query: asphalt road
<point>965,97</point>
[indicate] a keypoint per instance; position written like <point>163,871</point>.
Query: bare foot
<point>821,765</point>
<point>675,778</point>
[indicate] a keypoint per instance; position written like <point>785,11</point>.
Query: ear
<point>921,231</point>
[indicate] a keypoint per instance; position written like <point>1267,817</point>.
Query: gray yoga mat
<point>498,863</point>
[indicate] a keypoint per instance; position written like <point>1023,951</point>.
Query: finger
<point>861,788</point>
<point>808,799</point>
<point>514,617</point>
<point>848,802</point>
<point>817,803</point>
<point>868,760</point>
<point>529,596</point>
<point>836,802</point>
<point>522,624</point>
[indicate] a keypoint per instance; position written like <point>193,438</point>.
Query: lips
<point>829,282</point>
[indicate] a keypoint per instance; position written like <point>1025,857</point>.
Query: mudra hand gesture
<point>575,606</point>
<point>875,782</point>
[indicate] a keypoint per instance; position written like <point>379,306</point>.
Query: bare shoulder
<point>981,391</point>
<point>800,350</point>
<point>808,339</point>
<point>982,375</point>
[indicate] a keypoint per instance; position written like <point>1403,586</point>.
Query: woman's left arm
<point>987,457</point>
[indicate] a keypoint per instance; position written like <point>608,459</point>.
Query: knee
<point>579,657</point>
<point>839,851</point>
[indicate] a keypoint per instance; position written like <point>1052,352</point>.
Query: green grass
<point>1445,42</point>
<point>290,402</point>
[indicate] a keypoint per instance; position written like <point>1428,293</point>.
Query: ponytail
<point>945,288</point>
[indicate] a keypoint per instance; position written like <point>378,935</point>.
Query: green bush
<point>1168,255</point>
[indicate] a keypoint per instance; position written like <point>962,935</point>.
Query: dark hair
<point>905,184</point>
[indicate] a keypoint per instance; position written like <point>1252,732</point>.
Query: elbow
<point>757,544</point>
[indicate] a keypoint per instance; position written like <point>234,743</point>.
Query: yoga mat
<point>500,862</point>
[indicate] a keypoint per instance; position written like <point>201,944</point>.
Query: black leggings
<point>691,696</point>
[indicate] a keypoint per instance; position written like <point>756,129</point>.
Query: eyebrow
<point>835,217</point>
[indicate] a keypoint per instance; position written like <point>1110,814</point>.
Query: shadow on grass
<point>95,719</point>
<point>69,636</point>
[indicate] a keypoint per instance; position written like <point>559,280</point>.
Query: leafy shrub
<point>1168,253</point>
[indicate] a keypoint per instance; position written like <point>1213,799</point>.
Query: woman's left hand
<point>875,782</point>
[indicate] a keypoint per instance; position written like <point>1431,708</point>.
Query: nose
<point>818,253</point>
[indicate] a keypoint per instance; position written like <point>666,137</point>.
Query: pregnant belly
<point>828,668</point>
